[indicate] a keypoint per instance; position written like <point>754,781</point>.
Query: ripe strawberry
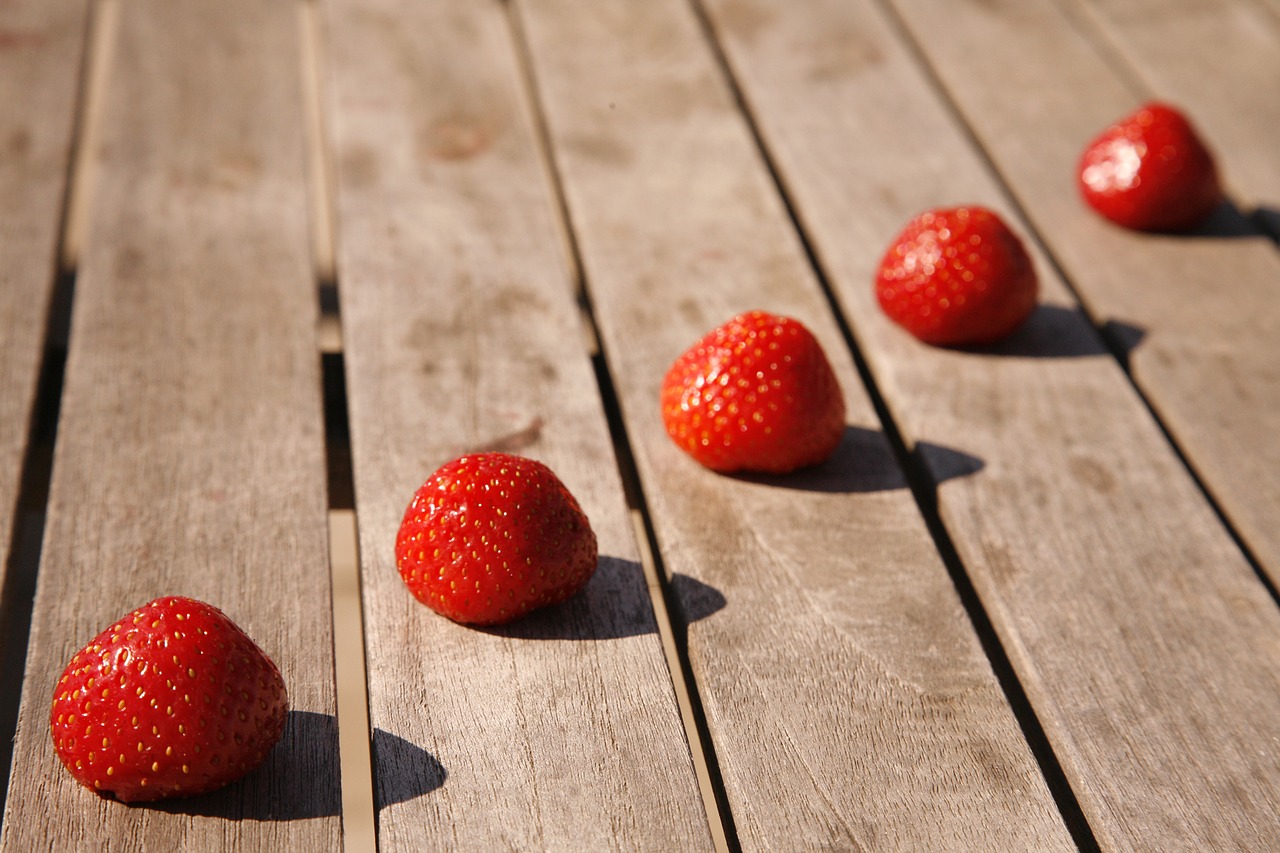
<point>756,394</point>
<point>172,700</point>
<point>957,277</point>
<point>1150,171</point>
<point>490,537</point>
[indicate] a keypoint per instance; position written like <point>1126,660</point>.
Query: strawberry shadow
<point>615,604</point>
<point>299,779</point>
<point>864,462</point>
<point>403,770</point>
<point>943,463</point>
<point>1227,221</point>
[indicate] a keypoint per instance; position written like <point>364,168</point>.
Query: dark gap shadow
<point>863,462</point>
<point>299,779</point>
<point>18,574</point>
<point>1123,338</point>
<point>18,594</point>
<point>613,605</point>
<point>337,432</point>
<point>327,297</point>
<point>403,771</point>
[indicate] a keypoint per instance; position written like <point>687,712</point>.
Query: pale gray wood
<point>561,731</point>
<point>1197,312</point>
<point>1218,60</point>
<point>1147,645</point>
<point>190,457</point>
<point>41,46</point>
<point>846,694</point>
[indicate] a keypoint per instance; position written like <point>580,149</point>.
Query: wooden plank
<point>41,52</point>
<point>41,46</point>
<point>845,691</point>
<point>562,730</point>
<point>1196,313</point>
<point>190,457</point>
<point>1220,61</point>
<point>1146,643</point>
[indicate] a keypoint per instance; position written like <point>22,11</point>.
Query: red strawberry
<point>756,394</point>
<point>957,277</point>
<point>490,537</point>
<point>172,700</point>
<point>1151,172</point>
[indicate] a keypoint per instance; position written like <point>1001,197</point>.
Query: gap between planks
<point>359,820</point>
<point>19,590</point>
<point>713,800</point>
<point>104,25</point>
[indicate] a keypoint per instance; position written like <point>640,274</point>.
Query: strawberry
<point>957,277</point>
<point>172,700</point>
<point>755,394</point>
<point>490,537</point>
<point>1150,171</point>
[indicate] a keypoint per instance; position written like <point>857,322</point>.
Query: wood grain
<point>845,691</point>
<point>190,457</point>
<point>41,46</point>
<point>1146,643</point>
<point>561,731</point>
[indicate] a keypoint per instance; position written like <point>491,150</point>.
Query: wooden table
<point>265,265</point>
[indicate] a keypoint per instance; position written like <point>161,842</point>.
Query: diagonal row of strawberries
<point>175,700</point>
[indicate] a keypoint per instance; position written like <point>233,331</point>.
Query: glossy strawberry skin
<point>490,537</point>
<point>957,277</point>
<point>755,394</point>
<point>172,700</point>
<point>1150,172</point>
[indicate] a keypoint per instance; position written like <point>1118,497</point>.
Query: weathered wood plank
<point>1220,61</point>
<point>1149,648</point>
<point>41,46</point>
<point>846,694</point>
<point>41,50</point>
<point>560,731</point>
<point>1197,313</point>
<point>190,457</point>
